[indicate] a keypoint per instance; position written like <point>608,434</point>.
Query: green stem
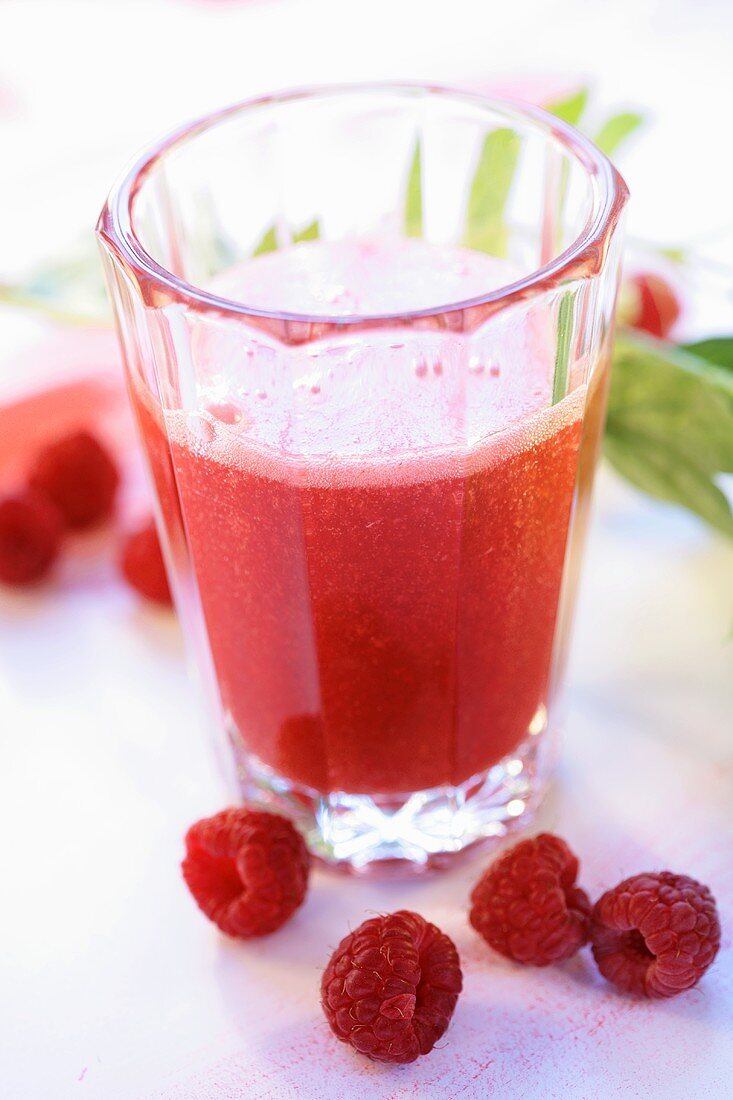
<point>562,352</point>
<point>11,296</point>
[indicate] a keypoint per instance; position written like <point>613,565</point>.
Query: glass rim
<point>585,255</point>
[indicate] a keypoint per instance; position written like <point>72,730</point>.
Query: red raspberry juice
<point>376,524</point>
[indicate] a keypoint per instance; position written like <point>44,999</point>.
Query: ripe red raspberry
<point>655,934</point>
<point>527,906</point>
<point>30,535</point>
<point>650,304</point>
<point>143,567</point>
<point>247,870</point>
<point>79,476</point>
<point>390,987</point>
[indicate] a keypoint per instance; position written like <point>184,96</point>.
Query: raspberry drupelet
<point>391,986</point>
<point>527,905</point>
<point>247,870</point>
<point>655,935</point>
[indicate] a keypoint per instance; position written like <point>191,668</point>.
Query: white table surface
<point>112,985</point>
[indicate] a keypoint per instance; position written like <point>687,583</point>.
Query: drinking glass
<point>372,512</point>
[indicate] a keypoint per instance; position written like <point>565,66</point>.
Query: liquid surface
<point>385,393</point>
<point>363,277</point>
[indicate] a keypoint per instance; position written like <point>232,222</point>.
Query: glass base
<point>408,833</point>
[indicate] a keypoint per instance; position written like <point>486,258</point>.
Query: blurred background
<point>86,84</point>
<point>98,723</point>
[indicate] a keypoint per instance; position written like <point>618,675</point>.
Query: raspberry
<point>652,305</point>
<point>143,567</point>
<point>247,870</point>
<point>655,934</point>
<point>390,987</point>
<point>527,906</point>
<point>30,535</point>
<point>78,475</point>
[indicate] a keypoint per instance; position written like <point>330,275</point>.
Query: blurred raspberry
<point>527,906</point>
<point>655,934</point>
<point>391,986</point>
<point>79,476</point>
<point>143,566</point>
<point>30,536</point>
<point>247,870</point>
<point>649,303</point>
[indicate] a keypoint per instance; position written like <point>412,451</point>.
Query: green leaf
<point>69,288</point>
<point>413,195</point>
<point>670,425</point>
<point>309,233</point>
<point>717,350</point>
<point>675,255</point>
<point>667,393</point>
<point>562,351</point>
<point>486,228</point>
<point>571,108</point>
<point>656,469</point>
<point>267,242</point>
<point>616,130</point>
